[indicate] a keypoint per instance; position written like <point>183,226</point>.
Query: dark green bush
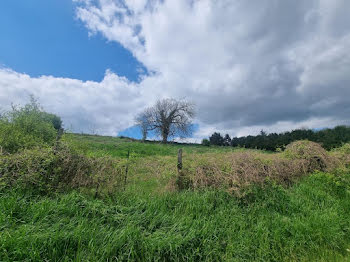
<point>205,142</point>
<point>55,120</point>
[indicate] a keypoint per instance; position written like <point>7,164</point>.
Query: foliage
<point>227,140</point>
<point>216,139</point>
<point>27,127</point>
<point>54,119</point>
<point>143,120</point>
<point>328,138</point>
<point>205,142</point>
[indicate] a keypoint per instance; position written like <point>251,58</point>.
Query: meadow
<point>95,145</point>
<point>302,216</point>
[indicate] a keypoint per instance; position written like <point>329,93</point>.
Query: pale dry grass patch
<point>48,170</point>
<point>237,171</point>
<point>342,154</point>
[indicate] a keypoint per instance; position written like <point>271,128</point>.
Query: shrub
<point>44,170</point>
<point>216,139</point>
<point>205,142</point>
<point>27,127</point>
<point>55,120</point>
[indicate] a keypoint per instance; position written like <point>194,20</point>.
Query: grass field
<point>150,221</point>
<point>119,147</point>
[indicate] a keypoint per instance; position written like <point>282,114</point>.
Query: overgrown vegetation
<point>93,198</point>
<point>237,172</point>
<point>27,127</point>
<point>48,170</point>
<point>33,158</point>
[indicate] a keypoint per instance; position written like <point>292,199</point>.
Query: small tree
<point>143,120</point>
<point>216,139</point>
<point>205,142</point>
<point>227,140</point>
<point>169,117</point>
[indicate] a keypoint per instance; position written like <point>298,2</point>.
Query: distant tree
<point>227,140</point>
<point>216,139</point>
<point>329,138</point>
<point>205,142</point>
<point>263,132</point>
<point>143,120</point>
<point>169,117</point>
<point>54,119</point>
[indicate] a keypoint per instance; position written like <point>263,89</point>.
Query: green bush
<point>205,142</point>
<point>27,127</point>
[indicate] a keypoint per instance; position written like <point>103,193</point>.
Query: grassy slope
<point>309,221</point>
<point>118,147</point>
<point>152,164</point>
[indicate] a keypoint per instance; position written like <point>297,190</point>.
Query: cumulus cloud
<point>248,65</point>
<point>84,106</point>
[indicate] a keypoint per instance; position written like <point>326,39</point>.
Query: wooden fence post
<point>181,184</point>
<point>179,161</point>
<point>126,168</point>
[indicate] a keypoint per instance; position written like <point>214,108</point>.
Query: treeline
<point>329,138</point>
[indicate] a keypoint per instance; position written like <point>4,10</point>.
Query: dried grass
<point>342,154</point>
<point>48,170</point>
<point>239,170</point>
<point>318,158</point>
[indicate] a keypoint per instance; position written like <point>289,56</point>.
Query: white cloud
<point>106,107</point>
<point>248,65</point>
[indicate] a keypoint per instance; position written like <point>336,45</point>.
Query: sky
<point>246,65</point>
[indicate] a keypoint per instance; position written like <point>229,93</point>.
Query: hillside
<point>303,218</point>
<point>119,147</point>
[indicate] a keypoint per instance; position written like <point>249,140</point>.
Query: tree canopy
<point>329,138</point>
<point>168,117</point>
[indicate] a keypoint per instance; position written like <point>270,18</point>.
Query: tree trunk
<point>165,137</point>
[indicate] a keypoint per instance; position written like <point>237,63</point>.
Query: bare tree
<point>170,116</point>
<point>143,120</point>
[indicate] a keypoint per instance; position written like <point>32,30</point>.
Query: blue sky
<point>43,37</point>
<point>246,65</point>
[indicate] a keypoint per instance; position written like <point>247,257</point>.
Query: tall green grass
<point>306,222</point>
